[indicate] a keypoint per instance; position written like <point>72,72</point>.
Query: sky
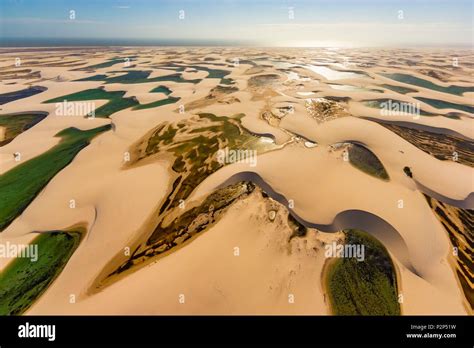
<point>306,23</point>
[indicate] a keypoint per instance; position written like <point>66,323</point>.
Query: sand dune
<point>115,201</point>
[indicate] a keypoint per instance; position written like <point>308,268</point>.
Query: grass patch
<point>20,185</point>
<point>23,281</point>
<point>169,100</point>
<point>137,76</point>
<point>116,100</point>
<point>365,160</point>
<point>194,144</point>
<point>106,64</point>
<point>161,89</point>
<point>212,73</point>
<point>15,124</point>
<point>216,74</point>
<point>366,287</point>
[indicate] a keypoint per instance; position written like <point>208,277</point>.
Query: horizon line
<point>45,42</point>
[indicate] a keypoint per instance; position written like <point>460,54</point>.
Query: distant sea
<point>54,42</point>
<point>79,42</point>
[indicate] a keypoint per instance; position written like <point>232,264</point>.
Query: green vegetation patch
<point>365,160</point>
<point>212,73</point>
<point>106,64</point>
<point>20,185</point>
<point>217,74</point>
<point>15,124</point>
<point>116,100</point>
<point>367,287</point>
<point>24,281</point>
<point>169,100</point>
<point>195,143</point>
<point>161,89</point>
<point>137,76</point>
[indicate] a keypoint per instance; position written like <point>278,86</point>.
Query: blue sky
<point>259,22</point>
